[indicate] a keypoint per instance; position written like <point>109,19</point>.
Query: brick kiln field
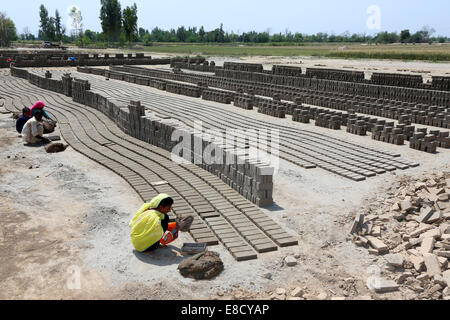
<point>314,206</point>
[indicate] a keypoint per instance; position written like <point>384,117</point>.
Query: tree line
<point>121,26</point>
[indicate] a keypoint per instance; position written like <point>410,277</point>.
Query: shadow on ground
<point>164,256</point>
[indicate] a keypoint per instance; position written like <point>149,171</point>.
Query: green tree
<point>181,34</point>
<point>201,34</point>
<point>8,31</point>
<point>44,23</point>
<point>130,22</point>
<point>405,36</point>
<point>58,27</point>
<point>51,30</point>
<point>111,19</point>
<point>386,37</point>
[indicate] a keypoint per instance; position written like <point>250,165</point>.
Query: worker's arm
<point>170,235</point>
<point>45,115</point>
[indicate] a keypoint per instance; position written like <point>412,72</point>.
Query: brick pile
<point>334,74</point>
<point>397,80</point>
<point>217,96</point>
<point>287,71</point>
<point>410,231</point>
<point>250,177</point>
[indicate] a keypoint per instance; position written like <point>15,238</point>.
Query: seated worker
<point>33,130</point>
<point>49,124</point>
<point>23,118</point>
<point>150,227</point>
<point>39,106</point>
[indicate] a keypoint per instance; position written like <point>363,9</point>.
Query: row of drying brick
<point>279,102</point>
<point>199,230</point>
<point>436,116</point>
<point>154,131</point>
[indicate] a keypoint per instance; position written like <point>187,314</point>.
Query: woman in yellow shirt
<point>150,227</point>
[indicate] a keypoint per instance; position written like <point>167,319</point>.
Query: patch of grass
<point>405,56</point>
<point>233,50</point>
<point>424,52</point>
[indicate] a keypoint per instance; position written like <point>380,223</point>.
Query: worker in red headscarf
<point>39,106</point>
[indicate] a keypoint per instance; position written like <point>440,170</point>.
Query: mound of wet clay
<point>55,147</point>
<point>184,224</point>
<point>205,265</point>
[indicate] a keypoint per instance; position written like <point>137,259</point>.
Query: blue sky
<point>306,16</point>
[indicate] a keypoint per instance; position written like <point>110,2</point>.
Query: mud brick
<point>199,226</point>
<point>209,241</point>
<point>286,242</point>
<point>200,231</point>
<point>234,244</point>
<point>255,237</point>
<point>275,232</point>
<point>246,228</point>
<point>260,241</point>
<point>203,209</point>
<point>261,219</point>
<point>220,227</point>
<point>269,227</point>
<point>209,214</point>
<point>243,248</point>
<point>216,221</point>
<point>266,247</point>
<point>231,214</point>
<point>251,232</point>
<point>229,236</point>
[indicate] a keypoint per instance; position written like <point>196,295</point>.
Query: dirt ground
<point>64,231</point>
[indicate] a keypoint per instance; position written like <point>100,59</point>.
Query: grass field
<point>435,52</point>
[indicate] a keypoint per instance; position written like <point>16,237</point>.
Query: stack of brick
<point>205,67</point>
<point>271,108</point>
<point>334,74</point>
<point>46,83</point>
<point>287,71</point>
<point>136,111</point>
<point>67,84</point>
<point>441,83</point>
<point>446,123</point>
<point>243,101</point>
<point>328,121</point>
<point>357,127</point>
<point>301,115</point>
<point>61,60</point>
<point>397,80</point>
<point>248,67</point>
<point>389,134</point>
<point>419,113</point>
<point>79,89</point>
<point>442,138</point>
<point>158,84</point>
<point>423,142</point>
<point>19,73</point>
<point>183,89</point>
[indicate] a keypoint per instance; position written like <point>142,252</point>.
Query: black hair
<point>38,112</point>
<point>166,202</point>
<point>25,110</point>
